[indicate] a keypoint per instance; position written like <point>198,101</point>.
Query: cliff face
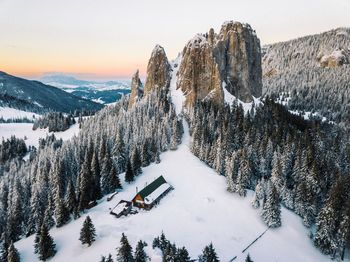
<point>210,62</point>
<point>158,71</point>
<point>232,57</point>
<point>136,89</point>
<point>198,75</point>
<point>237,52</point>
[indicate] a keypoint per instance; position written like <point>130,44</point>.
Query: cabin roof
<point>152,187</point>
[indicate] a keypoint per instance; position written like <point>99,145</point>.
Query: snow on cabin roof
<point>148,190</point>
<point>156,193</point>
<point>120,207</point>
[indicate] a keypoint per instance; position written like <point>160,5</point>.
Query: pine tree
<point>87,232</point>
<point>46,245</point>
<point>182,255</point>
<point>124,252</point>
<point>109,179</point>
<point>107,259</point>
<point>209,254</point>
<point>71,200</point>
<point>248,259</point>
<point>13,255</point>
<point>96,177</point>
<point>129,173</point>
<point>85,184</point>
<point>4,248</point>
<point>140,254</point>
<point>136,161</point>
<point>61,213</point>
<point>36,241</point>
<point>271,212</point>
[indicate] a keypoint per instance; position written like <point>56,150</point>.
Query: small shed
<point>123,208</point>
<point>152,193</point>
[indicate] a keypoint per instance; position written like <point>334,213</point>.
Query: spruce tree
<point>271,211</point>
<point>124,252</point>
<point>248,259</point>
<point>71,200</point>
<point>46,245</point>
<point>13,255</point>
<point>96,177</point>
<point>136,161</point>
<point>209,254</point>
<point>87,232</point>
<point>140,254</point>
<point>36,242</point>
<point>107,259</point>
<point>61,213</point>
<point>129,173</point>
<point>85,184</point>
<point>182,255</point>
<point>4,248</point>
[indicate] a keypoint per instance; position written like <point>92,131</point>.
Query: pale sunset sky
<point>110,39</point>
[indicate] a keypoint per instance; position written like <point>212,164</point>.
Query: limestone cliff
<point>198,75</point>
<point>136,89</point>
<point>158,71</point>
<point>231,58</point>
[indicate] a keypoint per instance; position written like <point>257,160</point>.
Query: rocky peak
<point>136,89</point>
<point>232,57</point>
<point>198,75</point>
<point>158,71</point>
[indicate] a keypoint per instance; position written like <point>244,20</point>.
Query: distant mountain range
<point>102,92</point>
<point>37,97</point>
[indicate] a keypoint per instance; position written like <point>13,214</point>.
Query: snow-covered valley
<point>198,211</point>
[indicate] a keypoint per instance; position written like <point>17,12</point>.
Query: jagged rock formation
<point>199,75</point>
<point>136,89</point>
<point>158,71</point>
<point>231,59</point>
<point>238,54</point>
<point>210,63</point>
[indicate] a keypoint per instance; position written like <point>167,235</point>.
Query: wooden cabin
<point>151,194</point>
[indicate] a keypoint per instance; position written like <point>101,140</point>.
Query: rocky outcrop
<point>231,59</point>
<point>158,71</point>
<point>198,75</point>
<point>136,89</point>
<point>238,54</point>
<point>335,59</point>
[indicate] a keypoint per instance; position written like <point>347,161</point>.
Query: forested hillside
<point>62,179</point>
<point>312,73</point>
<point>303,165</point>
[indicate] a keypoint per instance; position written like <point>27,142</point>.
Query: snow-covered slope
<point>198,211</point>
<point>25,131</point>
<point>12,113</point>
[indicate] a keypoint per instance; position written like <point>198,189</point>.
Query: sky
<point>110,39</point>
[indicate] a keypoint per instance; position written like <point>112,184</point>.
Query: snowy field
<point>12,113</point>
<point>199,210</point>
<point>24,130</point>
